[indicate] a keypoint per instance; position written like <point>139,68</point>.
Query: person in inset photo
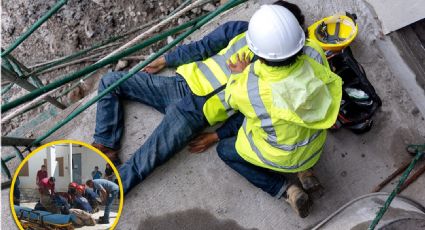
<point>47,192</point>
<point>109,173</point>
<point>41,174</point>
<point>96,174</point>
<point>108,190</point>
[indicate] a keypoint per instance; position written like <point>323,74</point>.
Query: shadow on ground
<point>192,219</point>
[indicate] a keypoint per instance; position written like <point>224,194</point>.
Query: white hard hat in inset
<point>274,33</point>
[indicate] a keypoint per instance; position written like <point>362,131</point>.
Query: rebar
<point>137,68</point>
<point>75,75</point>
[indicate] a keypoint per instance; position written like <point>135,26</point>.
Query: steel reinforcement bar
<point>137,68</point>
<point>75,75</point>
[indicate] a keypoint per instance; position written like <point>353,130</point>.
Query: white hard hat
<point>274,33</point>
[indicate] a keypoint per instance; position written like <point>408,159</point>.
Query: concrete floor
<point>391,15</point>
<point>201,192</point>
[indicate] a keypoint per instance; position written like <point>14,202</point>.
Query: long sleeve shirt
<point>200,50</point>
<point>40,175</point>
<point>45,187</point>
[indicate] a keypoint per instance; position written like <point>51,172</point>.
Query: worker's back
<point>287,110</point>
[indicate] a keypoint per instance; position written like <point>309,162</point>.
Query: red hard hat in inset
<point>72,185</point>
<point>80,188</point>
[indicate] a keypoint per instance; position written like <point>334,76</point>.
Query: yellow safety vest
<point>203,77</point>
<point>287,110</point>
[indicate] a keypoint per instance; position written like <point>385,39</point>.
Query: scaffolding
<point>39,94</point>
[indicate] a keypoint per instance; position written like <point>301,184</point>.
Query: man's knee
<point>221,150</point>
<point>107,80</point>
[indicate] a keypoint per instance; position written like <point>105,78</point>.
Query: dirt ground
<point>76,26</point>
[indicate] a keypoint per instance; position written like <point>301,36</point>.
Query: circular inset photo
<point>66,185</point>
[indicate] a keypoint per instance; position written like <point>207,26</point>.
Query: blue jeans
<point>109,200</point>
<point>183,119</point>
<point>274,183</point>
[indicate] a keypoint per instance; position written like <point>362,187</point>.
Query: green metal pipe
<point>73,76</point>
<point>396,190</point>
<point>35,26</point>
<point>4,169</point>
<point>18,153</point>
<point>75,55</point>
<point>137,68</point>
<point>17,68</point>
<point>98,45</point>
<point>58,97</point>
<point>22,66</point>
<point>6,88</point>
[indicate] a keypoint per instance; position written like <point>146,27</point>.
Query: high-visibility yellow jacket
<point>287,110</point>
<point>203,77</point>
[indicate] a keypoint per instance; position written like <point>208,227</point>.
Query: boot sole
<point>303,205</point>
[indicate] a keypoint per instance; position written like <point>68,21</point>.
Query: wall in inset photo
<point>64,162</point>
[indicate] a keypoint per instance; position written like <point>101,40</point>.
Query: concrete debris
<point>99,2</point>
<point>88,29</point>
<point>121,65</point>
<point>208,7</point>
<point>170,39</point>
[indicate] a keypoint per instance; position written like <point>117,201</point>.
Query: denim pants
<point>170,96</point>
<point>274,183</point>
<point>109,200</point>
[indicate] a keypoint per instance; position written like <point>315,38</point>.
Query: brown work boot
<point>309,182</point>
<point>298,200</point>
<point>112,154</point>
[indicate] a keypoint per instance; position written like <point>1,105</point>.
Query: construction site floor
<point>198,191</point>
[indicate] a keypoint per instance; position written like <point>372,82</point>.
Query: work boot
<point>309,182</point>
<point>102,220</point>
<point>298,200</point>
<point>112,154</point>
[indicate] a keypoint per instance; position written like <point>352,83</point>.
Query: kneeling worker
<point>289,97</point>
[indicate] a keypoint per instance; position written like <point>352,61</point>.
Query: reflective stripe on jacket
<point>203,77</point>
<point>287,111</point>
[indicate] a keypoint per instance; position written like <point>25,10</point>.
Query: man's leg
<point>176,129</point>
<point>91,196</point>
<point>273,183</point>
<point>156,91</point>
<point>111,197</point>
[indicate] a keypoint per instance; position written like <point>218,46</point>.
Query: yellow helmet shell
<point>348,30</point>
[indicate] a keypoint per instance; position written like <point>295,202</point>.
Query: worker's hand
<point>156,66</point>
<point>203,142</point>
<point>241,63</point>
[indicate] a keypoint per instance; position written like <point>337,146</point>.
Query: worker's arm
<point>228,129</point>
<point>103,194</point>
<point>231,127</point>
<point>208,46</point>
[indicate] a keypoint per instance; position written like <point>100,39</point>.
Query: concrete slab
<point>190,188</point>
<point>395,14</point>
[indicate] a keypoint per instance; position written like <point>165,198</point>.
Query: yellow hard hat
<point>334,33</point>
